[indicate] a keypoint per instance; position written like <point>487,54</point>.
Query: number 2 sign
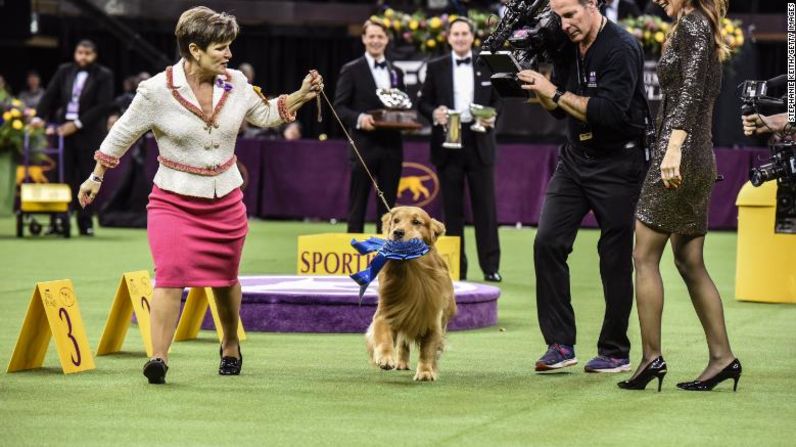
<point>53,311</point>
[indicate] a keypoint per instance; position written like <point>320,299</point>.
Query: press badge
<point>592,83</point>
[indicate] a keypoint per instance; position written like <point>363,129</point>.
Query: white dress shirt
<point>184,138</point>
<point>463,86</point>
<point>73,108</point>
<point>380,75</point>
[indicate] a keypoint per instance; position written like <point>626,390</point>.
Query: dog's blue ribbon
<point>386,250</point>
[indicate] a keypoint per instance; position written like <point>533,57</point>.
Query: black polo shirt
<point>612,77</point>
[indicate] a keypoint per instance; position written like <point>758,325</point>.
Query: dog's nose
<point>398,234</point>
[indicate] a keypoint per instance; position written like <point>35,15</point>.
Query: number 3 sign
<point>53,311</point>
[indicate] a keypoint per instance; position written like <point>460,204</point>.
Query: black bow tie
<point>382,64</point>
<point>466,61</point>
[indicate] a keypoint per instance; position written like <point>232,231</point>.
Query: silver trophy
<point>483,112</point>
<point>397,112</point>
<point>453,130</point>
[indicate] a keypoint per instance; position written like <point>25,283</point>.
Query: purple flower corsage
<point>222,84</point>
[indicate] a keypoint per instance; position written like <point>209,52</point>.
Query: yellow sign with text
<point>134,294</point>
<point>332,254</point>
<point>194,311</point>
<point>53,311</point>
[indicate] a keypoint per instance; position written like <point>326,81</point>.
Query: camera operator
<point>598,86</point>
<point>757,124</point>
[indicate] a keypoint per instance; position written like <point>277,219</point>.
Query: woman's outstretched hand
<point>311,86</point>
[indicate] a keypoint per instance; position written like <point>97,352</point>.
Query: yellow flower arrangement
<point>12,129</point>
<point>428,34</point>
<point>652,32</point>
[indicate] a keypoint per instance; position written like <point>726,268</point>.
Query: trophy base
<point>452,145</point>
<point>395,119</point>
<point>478,128</point>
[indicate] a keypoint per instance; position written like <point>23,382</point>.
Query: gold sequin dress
<point>690,77</point>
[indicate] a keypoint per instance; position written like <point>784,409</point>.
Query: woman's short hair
<point>203,26</point>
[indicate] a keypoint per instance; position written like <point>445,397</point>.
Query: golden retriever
<point>415,298</point>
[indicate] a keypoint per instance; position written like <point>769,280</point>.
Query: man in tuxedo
<point>616,10</point>
<point>78,99</point>
<point>382,149</point>
<point>453,82</point>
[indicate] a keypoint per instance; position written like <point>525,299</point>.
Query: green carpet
<point>299,389</point>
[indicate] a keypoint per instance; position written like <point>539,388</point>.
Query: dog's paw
<point>384,362</point>
<point>425,375</point>
<point>402,366</point>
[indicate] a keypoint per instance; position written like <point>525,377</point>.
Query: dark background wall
<point>281,54</point>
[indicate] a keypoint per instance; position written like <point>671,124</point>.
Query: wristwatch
<point>557,95</point>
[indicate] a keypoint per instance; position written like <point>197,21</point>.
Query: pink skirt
<point>196,242</point>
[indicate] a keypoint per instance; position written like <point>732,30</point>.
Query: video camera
<point>534,36</point>
<point>754,96</point>
<point>782,164</point>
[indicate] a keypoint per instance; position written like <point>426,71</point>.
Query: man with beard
<point>77,98</point>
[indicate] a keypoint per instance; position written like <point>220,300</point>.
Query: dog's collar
<point>386,250</point>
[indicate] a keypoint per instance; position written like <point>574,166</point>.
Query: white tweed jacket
<point>196,151</point>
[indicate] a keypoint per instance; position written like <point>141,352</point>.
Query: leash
<point>378,190</point>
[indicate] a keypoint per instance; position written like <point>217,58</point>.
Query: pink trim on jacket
<point>207,172</point>
<point>209,120</point>
<point>284,113</point>
<point>109,161</point>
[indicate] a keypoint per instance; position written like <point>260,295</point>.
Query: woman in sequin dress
<point>674,199</point>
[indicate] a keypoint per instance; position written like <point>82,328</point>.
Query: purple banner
<point>309,179</point>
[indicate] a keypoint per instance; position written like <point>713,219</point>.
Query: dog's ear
<point>385,223</point>
<point>437,228</point>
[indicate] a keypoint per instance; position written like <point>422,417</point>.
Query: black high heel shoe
<point>731,371</point>
<point>230,366</point>
<point>155,370</point>
<point>656,369</point>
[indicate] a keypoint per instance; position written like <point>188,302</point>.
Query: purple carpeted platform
<point>331,304</point>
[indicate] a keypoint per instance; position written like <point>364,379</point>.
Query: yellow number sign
<point>134,294</point>
<point>53,311</point>
<point>199,298</point>
<point>332,254</point>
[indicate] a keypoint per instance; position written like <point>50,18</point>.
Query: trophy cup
<point>453,131</point>
<point>397,112</point>
<point>483,112</point>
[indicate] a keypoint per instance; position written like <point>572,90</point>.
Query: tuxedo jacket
<point>438,90</point>
<point>97,94</point>
<point>356,94</point>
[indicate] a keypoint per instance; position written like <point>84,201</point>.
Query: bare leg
<point>228,300</point>
<point>649,290</point>
<point>165,310</point>
<point>688,257</point>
